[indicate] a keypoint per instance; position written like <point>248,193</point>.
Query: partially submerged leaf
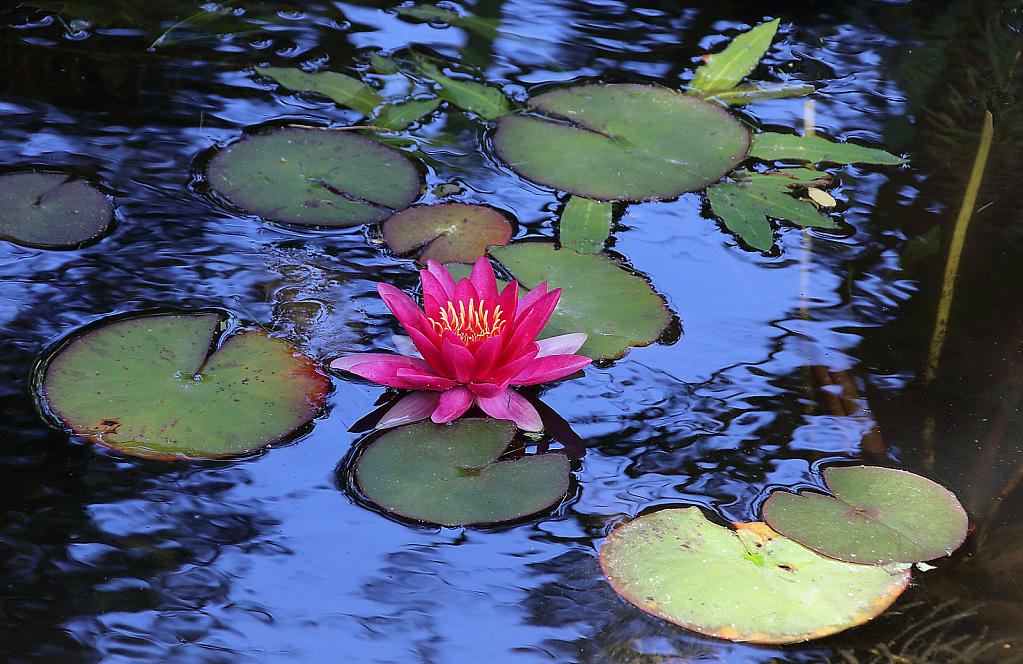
<point>877,516</point>
<point>484,101</point>
<point>622,142</point>
<point>725,69</point>
<point>770,146</point>
<point>45,210</point>
<point>750,584</point>
<point>343,89</point>
<point>484,27</point>
<point>449,474</point>
<point>154,387</point>
<point>747,94</point>
<point>316,177</point>
<point>614,308</point>
<point>400,115</point>
<point>455,232</point>
<point>585,225</point>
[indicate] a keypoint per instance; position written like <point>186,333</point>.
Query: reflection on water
<point>109,559</point>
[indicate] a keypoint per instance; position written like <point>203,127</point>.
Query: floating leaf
<point>747,94</point>
<point>484,101</point>
<point>455,232</point>
<point>151,387</point>
<point>615,308</point>
<point>622,142</point>
<point>877,516</point>
<point>345,90</point>
<point>750,584</point>
<point>45,210</point>
<point>382,64</point>
<point>814,149</point>
<point>725,69</point>
<point>449,474</point>
<point>400,115</point>
<point>312,176</point>
<point>484,27</point>
<point>585,224</point>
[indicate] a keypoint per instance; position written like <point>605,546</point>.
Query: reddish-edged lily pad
<point>454,232</point>
<point>877,516</point>
<point>449,474</point>
<point>315,177</point>
<point>46,210</point>
<point>622,142</point>
<point>748,584</point>
<point>156,387</point>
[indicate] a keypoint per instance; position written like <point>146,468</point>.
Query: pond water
<point>269,558</point>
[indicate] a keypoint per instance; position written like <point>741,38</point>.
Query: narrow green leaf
<point>585,224</point>
<point>484,101</point>
<point>345,90</point>
<point>780,205</point>
<point>382,64</point>
<point>749,93</point>
<point>741,215</point>
<point>400,115</point>
<point>486,28</point>
<point>814,149</point>
<point>724,70</point>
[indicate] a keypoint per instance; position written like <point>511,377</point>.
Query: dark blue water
<point>105,558</point>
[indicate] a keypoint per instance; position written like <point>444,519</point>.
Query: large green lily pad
<point>454,232</point>
<point>748,584</point>
<point>316,177</point>
<point>622,142</point>
<point>151,387</point>
<point>877,516</point>
<point>615,308</point>
<point>45,210</point>
<point>446,474</point>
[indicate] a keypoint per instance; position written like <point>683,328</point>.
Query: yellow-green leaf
<point>724,70</point>
<point>585,224</point>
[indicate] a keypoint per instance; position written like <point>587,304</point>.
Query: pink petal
<point>452,404</point>
<point>532,296</point>
<point>458,358</point>
<point>510,405</point>
<point>486,355</point>
<point>502,376</point>
<point>429,347</point>
<point>529,324</point>
<point>444,280</point>
<point>552,367</point>
<point>405,376</point>
<point>410,408</point>
<point>564,344</point>
<point>401,305</point>
<point>465,291</point>
<point>416,379</point>
<point>486,390</point>
<point>483,278</point>
<point>348,361</point>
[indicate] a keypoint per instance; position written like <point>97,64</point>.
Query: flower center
<point>472,323</point>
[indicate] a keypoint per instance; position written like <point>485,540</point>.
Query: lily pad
<point>449,474</point>
<point>622,142</point>
<point>748,584</point>
<point>155,387</point>
<point>45,210</point>
<point>615,308</point>
<point>877,516</point>
<point>454,232</point>
<point>316,177</point>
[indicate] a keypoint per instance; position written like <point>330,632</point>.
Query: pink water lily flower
<point>473,344</point>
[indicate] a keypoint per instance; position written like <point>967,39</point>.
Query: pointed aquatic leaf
<point>315,177</point>
<point>45,210</point>
<point>724,70</point>
<point>615,308</point>
<point>877,516</point>
<point>814,149</point>
<point>400,115</point>
<point>382,64</point>
<point>622,142</point>
<point>156,387</point>
<point>449,474</point>
<point>484,101</point>
<point>747,94</point>
<point>455,232</point>
<point>345,90</point>
<point>742,215</point>
<point>585,225</point>
<point>749,584</point>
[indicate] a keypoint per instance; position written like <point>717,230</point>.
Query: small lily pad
<point>622,142</point>
<point>46,210</point>
<point>316,177</point>
<point>155,387</point>
<point>749,584</point>
<point>455,232</point>
<point>615,308</point>
<point>449,474</point>
<point>877,516</point>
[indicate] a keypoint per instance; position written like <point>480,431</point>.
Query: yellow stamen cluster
<point>472,323</point>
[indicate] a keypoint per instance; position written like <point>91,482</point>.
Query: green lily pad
<point>152,387</point>
<point>615,308</point>
<point>316,177</point>
<point>748,584</point>
<point>45,210</point>
<point>449,474</point>
<point>877,516</point>
<point>455,232</point>
<point>622,142</point>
